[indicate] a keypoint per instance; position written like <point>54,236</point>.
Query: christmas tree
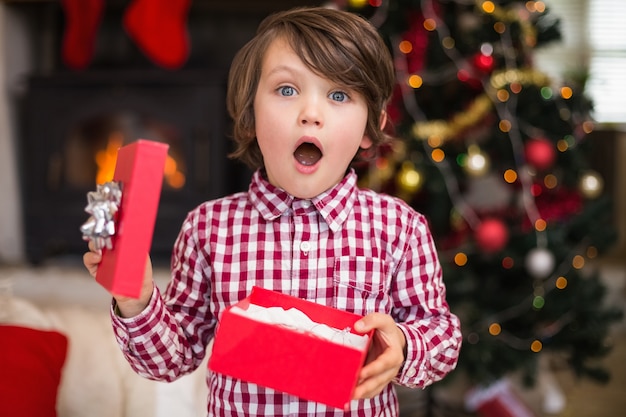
<point>495,155</point>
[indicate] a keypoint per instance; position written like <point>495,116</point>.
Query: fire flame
<point>173,177</point>
<point>106,159</point>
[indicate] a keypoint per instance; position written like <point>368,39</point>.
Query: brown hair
<point>338,45</point>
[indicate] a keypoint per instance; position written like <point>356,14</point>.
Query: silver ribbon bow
<point>102,204</point>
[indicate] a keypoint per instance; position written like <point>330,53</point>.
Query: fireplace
<point>74,126</point>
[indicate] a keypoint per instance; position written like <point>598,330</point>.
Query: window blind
<point>607,67</point>
<point>594,41</point>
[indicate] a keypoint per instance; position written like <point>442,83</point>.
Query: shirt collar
<point>333,205</point>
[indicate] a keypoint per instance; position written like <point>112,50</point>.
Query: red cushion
<point>31,362</point>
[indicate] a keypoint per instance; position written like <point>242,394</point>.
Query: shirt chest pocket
<point>361,284</point>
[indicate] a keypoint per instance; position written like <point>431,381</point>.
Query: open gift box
<point>285,359</point>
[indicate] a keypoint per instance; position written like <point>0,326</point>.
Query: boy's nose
<point>311,112</point>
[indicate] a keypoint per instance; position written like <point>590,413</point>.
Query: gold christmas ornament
<point>409,179</point>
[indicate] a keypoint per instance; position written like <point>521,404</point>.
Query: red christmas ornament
<point>484,62</point>
<point>82,20</point>
<point>491,235</point>
<point>159,29</point>
<point>540,153</point>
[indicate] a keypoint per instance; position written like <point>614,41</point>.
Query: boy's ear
<point>366,142</point>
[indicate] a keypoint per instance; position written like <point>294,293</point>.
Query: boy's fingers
<point>369,322</point>
<point>92,247</point>
<point>91,260</point>
<point>373,385</point>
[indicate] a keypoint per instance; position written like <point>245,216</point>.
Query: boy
<point>306,95</point>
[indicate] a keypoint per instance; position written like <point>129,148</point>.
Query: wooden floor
<point>584,398</point>
<point>587,399</point>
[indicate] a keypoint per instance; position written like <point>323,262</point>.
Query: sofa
<point>59,358</point>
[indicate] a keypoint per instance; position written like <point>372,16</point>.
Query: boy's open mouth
<point>307,154</point>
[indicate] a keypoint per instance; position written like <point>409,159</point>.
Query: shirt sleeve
<point>168,338</point>
<point>432,332</point>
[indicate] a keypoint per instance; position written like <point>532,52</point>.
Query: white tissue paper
<point>297,320</point>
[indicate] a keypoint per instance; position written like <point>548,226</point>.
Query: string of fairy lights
<point>501,89</point>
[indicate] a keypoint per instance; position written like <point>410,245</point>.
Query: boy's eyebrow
<point>282,68</point>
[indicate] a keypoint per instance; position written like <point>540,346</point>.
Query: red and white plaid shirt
<point>348,248</point>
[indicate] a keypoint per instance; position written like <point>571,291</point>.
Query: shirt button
<point>305,246</point>
<point>306,203</point>
<point>411,372</point>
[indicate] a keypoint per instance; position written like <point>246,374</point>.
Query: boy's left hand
<point>385,356</point>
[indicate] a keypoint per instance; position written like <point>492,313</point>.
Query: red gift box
<point>139,169</point>
<point>287,360</point>
<point>497,400</point>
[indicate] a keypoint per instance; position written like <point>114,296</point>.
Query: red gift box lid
<point>139,168</point>
<point>285,359</point>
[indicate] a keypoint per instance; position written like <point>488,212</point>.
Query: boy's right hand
<point>128,307</point>
<point>92,259</point>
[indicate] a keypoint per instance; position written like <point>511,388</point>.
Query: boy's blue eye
<point>338,96</point>
<point>287,91</point>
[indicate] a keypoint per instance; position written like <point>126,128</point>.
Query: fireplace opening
<point>74,127</point>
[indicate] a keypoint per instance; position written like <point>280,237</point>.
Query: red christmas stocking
<point>82,21</point>
<point>159,29</point>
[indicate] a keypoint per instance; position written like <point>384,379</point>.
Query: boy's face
<point>307,127</point>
